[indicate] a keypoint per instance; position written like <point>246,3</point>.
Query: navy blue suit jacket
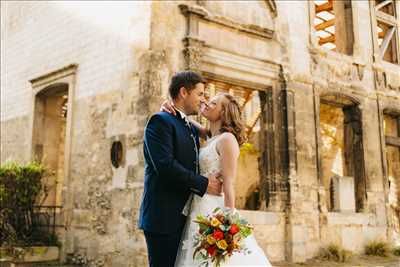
<point>170,173</point>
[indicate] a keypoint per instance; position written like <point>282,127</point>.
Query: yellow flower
<point>215,222</point>
<point>222,244</point>
<point>211,240</point>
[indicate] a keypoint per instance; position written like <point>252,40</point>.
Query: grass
<point>335,253</point>
<point>377,248</point>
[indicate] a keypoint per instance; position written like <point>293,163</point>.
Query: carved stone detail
<point>193,53</point>
<point>360,70</point>
<point>380,78</point>
<point>199,12</point>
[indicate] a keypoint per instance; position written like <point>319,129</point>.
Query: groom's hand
<point>214,185</point>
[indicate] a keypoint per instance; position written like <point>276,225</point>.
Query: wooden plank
<point>384,3</point>
<point>325,24</point>
<point>386,18</point>
<point>392,141</point>
<point>329,39</point>
<point>386,41</point>
<point>324,7</point>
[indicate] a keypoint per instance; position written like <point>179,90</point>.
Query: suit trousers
<point>162,248</point>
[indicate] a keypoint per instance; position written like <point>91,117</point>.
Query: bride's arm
<point>228,149</point>
<point>168,106</point>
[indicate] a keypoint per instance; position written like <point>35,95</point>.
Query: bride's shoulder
<point>227,140</point>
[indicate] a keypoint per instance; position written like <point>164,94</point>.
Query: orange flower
<point>218,235</point>
<point>234,229</point>
<point>220,217</point>
<point>212,250</point>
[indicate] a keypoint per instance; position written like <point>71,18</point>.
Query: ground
<point>356,261</point>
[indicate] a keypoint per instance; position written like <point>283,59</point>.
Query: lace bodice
<point>209,158</point>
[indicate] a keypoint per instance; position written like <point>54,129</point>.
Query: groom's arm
<point>159,146</point>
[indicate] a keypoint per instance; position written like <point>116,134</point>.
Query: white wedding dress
<point>210,163</point>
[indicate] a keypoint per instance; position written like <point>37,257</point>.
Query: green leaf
<point>216,209</point>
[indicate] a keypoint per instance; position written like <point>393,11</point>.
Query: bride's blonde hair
<point>231,118</point>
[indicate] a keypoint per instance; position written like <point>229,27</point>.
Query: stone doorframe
<point>224,65</point>
<point>62,76</point>
<point>335,99</point>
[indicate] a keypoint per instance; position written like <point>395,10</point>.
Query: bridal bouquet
<point>220,235</point>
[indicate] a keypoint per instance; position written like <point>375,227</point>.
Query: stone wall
<point>109,44</point>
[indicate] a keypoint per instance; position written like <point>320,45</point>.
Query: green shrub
<point>377,248</point>
<point>396,251</point>
<point>335,253</point>
<point>21,189</point>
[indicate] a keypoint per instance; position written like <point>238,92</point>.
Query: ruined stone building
<point>319,83</point>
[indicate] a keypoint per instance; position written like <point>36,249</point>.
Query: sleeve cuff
<point>199,185</point>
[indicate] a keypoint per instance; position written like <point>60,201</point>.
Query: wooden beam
<point>384,3</point>
<point>392,141</point>
<point>249,94</point>
<point>324,7</point>
<point>325,24</point>
<point>253,123</point>
<point>329,39</point>
<point>381,34</point>
<point>386,18</point>
<point>386,41</point>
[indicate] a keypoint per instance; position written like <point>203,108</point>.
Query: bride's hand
<point>168,106</point>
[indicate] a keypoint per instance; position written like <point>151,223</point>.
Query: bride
<point>219,154</point>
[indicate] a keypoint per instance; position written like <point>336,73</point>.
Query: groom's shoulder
<point>162,116</point>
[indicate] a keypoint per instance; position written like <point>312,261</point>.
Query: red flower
<point>212,250</point>
<point>234,229</point>
<point>218,235</point>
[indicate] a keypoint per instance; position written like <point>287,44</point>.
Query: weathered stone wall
<point>38,38</point>
<point>109,43</point>
<point>357,77</point>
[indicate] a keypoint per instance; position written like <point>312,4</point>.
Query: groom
<point>171,152</point>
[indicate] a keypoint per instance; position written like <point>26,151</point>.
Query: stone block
<point>82,218</point>
<point>343,194</point>
<point>350,218</point>
<point>261,217</point>
<point>275,252</point>
<point>352,238</point>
